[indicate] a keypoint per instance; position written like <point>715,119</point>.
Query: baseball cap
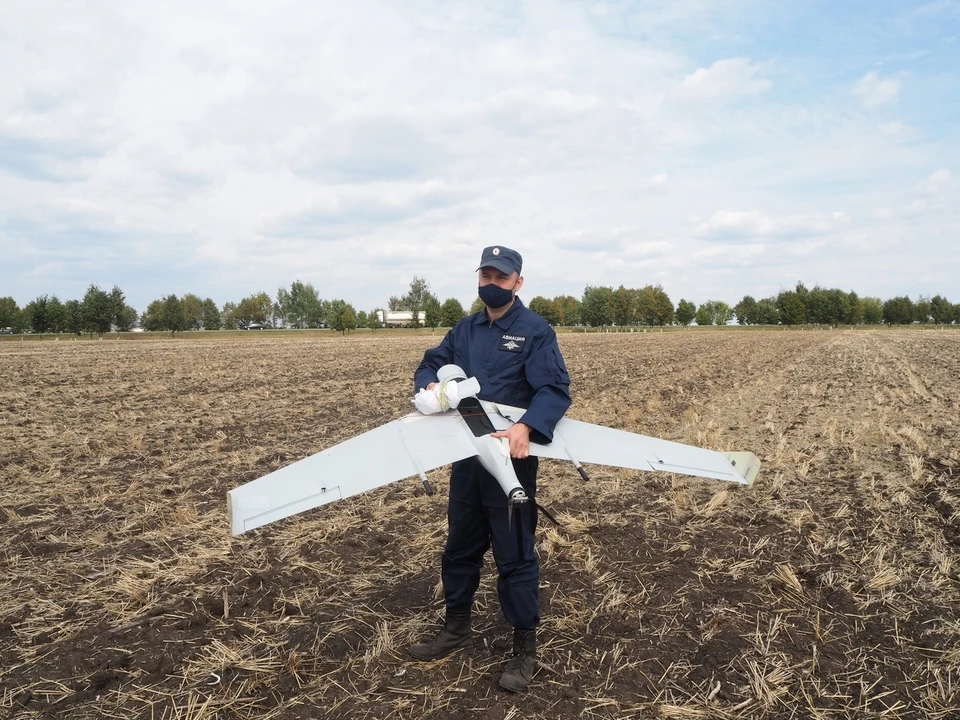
<point>502,258</point>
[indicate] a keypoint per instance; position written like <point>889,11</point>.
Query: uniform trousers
<point>477,519</point>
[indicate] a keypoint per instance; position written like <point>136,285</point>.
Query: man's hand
<point>519,437</point>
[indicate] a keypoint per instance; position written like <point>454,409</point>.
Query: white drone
<point>418,443</point>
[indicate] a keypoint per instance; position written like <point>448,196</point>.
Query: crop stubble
<point>828,590</point>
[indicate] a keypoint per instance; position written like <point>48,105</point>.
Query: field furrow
<point>830,589</point>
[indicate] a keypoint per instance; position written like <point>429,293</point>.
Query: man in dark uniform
<point>513,353</point>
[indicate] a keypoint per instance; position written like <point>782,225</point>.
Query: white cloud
<point>339,212</point>
<point>936,182</point>
<point>265,143</point>
<point>752,224</point>
<point>875,91</point>
<point>724,79</point>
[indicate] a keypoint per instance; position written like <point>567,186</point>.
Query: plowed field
<point>830,589</point>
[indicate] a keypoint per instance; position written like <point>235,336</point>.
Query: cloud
<point>342,212</point>
<point>724,79</point>
<point>365,149</point>
<point>654,185</point>
<point>392,140</point>
<point>935,183</point>
<point>875,91</point>
<point>750,225</point>
<point>45,159</point>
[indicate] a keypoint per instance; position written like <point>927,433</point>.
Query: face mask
<point>494,296</point>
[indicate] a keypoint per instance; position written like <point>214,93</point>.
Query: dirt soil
<point>829,589</point>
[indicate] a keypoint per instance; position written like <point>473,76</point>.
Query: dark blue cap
<point>502,258</point>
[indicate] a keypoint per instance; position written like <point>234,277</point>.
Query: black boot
<point>520,668</point>
<point>456,634</point>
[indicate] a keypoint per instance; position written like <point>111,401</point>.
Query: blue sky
<point>717,149</point>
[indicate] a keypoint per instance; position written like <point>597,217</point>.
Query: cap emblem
<point>496,251</point>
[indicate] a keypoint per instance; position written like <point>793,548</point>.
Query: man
<point>513,353</point>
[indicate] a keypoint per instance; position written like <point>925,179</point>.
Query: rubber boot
<point>456,634</point>
<point>520,668</point>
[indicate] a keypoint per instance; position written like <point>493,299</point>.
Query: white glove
<point>441,397</point>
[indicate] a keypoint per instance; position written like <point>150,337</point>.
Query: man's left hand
<point>519,437</point>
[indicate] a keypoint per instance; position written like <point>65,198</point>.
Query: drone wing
<point>584,442</point>
<point>412,445</point>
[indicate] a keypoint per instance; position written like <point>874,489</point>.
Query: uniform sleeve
<point>433,360</point>
<point>547,375</point>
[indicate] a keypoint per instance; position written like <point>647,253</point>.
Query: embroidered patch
<point>512,343</point>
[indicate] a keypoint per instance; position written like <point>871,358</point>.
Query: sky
<point>718,149</point>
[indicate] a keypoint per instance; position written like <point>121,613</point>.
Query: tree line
<point>603,306</point>
<point>300,306</point>
<point>98,312</point>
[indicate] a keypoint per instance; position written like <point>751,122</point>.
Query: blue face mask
<point>494,296</point>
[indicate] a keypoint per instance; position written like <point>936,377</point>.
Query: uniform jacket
<point>516,361</point>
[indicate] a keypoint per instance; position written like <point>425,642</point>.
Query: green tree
<point>343,317</point>
<point>827,307</point>
<point>21,323</point>
<point>9,312</point>
<point>477,306</point>
<point>791,308</point>
<point>854,314</point>
<point>596,308</point>
<point>73,317</point>
<point>416,299</point>
<point>319,315</point>
<point>816,306</point>
<point>923,310</point>
<point>299,306</point>
<point>451,312</point>
<point>210,315</point>
<point>254,309</point>
<point>871,310</point>
<point>228,316</point>
<point>123,316</point>
<point>174,317</point>
<point>433,312</point>
<point>282,308</point>
<point>126,318</point>
<point>373,318</point>
<point>686,312</point>
<point>152,318</point>
<point>714,312</point>
<point>98,311</point>
<point>655,306</point>
<point>898,311</point>
<point>192,311</point>
<point>547,309</point>
<point>704,314</point>
<point>56,314</point>
<point>722,314</point>
<point>625,306</point>
<point>767,312</point>
<point>568,309</point>
<point>747,311</point>
<point>37,312</point>
<point>349,318</point>
<point>940,310</point>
